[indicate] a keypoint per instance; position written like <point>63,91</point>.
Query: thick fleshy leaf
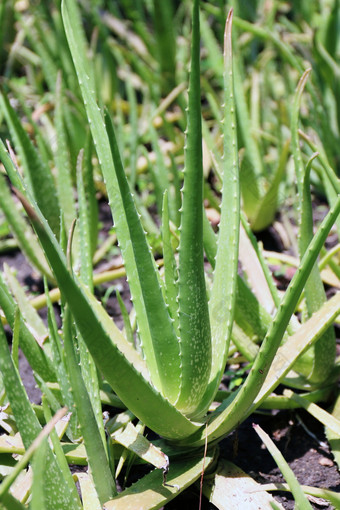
<point>170,267</point>
<point>63,166</point>
<point>35,355</point>
<point>231,411</point>
<point>154,323</point>
<point>194,326</point>
<point>150,492</point>
<point>134,441</point>
<point>114,355</point>
<point>332,437</point>
<point>56,491</point>
<point>29,314</point>
<point>297,344</point>
<point>324,351</point>
<point>95,448</point>
<point>222,301</point>
<point>299,496</point>
<point>37,175</point>
<point>233,488</point>
<point>25,237</point>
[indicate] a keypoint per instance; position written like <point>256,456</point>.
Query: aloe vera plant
<point>185,326</point>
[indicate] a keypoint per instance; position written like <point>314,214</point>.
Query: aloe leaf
<point>332,437</point>
<point>11,503</point>
<point>88,368</point>
<point>35,355</point>
<point>113,350</point>
<point>215,57</point>
<point>50,396</point>
<point>243,343</point>
<point>39,465</point>
<point>176,198</point>
<point>226,417</point>
<point>233,488</point>
<point>252,166</point>
<point>6,9</point>
<point>126,319</point>
<point>267,205</point>
<point>209,241</point>
<point>251,264</point>
<point>158,170</point>
<point>90,377</point>
<point>222,301</point>
<point>58,450</point>
<point>97,456</point>
<point>331,496</point>
<point>194,327</point>
<point>56,491</point>
<point>38,175</point>
<point>133,139</point>
<point>19,227</point>
<point>15,339</point>
<point>170,268</point>
<point>48,63</point>
<point>274,299</point>
<point>88,492</point>
<point>297,344</point>
<point>25,458</point>
<point>281,402</point>
<point>330,179</point>
<point>286,309</point>
<point>299,496</point>
<point>150,493</point>
<point>164,339</point>
<point>320,414</point>
<point>11,169</point>
<point>90,194</point>
<point>59,363</point>
<point>165,43</point>
<point>324,350</point>
<point>250,315</point>
<point>147,221</point>
<point>119,421</point>
<point>29,314</point>
<point>63,177</point>
<point>333,180</point>
<point>134,441</point>
<point>155,327</point>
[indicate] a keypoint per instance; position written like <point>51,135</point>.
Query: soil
<point>299,436</point>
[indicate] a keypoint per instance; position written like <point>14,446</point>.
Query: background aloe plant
<point>167,372</point>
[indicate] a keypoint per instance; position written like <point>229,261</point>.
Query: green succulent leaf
<point>222,301</point>
<point>154,323</point>
<point>324,351</point>
<point>35,355</point>
<point>150,492</point>
<point>194,326</point>
<point>114,355</point>
<point>57,495</point>
<point>37,175</point>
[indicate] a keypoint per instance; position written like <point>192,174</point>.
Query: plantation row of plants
<point>200,124</point>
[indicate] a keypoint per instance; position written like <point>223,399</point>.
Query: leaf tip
<point>27,206</point>
<point>227,34</point>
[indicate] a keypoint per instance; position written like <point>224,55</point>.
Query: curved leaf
<point>118,361</point>
<point>155,325</point>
